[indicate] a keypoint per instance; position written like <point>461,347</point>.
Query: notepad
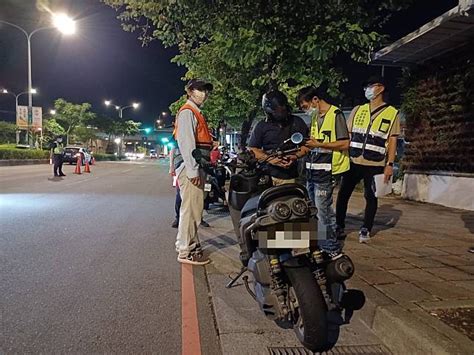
<point>382,188</point>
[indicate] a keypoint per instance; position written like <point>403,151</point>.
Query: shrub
<point>15,153</point>
<point>103,157</point>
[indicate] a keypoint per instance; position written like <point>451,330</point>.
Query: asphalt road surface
<point>87,263</point>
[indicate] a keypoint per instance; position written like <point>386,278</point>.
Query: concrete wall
<point>456,191</point>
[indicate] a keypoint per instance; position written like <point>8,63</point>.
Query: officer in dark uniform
<point>57,152</point>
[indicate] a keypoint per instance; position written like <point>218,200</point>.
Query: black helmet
<point>275,105</point>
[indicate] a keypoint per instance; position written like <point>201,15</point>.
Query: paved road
<point>87,262</point>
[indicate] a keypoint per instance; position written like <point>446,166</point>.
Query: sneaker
<point>194,259</point>
<point>175,224</point>
<point>364,235</point>
<point>471,250</point>
<point>204,224</point>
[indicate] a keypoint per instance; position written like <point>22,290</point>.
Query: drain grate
<point>347,350</point>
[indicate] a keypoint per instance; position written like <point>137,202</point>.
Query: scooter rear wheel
<point>310,318</point>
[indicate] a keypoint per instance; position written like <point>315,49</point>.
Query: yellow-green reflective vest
<point>58,149</point>
<point>326,161</point>
<point>369,139</point>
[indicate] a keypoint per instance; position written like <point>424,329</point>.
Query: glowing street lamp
<point>52,112</point>
<point>120,109</point>
<point>61,22</point>
<point>64,24</point>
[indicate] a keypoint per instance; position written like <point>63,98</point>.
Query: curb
<point>15,162</point>
<point>413,331</point>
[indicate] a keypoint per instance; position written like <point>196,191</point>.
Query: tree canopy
<point>246,47</point>
<point>70,115</point>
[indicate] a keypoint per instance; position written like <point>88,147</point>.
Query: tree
<point>52,129</point>
<point>70,115</point>
<point>85,134</point>
<point>249,46</point>
<point>7,132</point>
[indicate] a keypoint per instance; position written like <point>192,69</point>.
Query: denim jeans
<point>321,196</point>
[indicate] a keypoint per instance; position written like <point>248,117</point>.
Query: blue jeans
<point>321,196</point>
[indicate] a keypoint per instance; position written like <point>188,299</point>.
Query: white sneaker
<point>194,259</point>
<point>364,235</point>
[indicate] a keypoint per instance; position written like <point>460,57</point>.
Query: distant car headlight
<point>281,211</point>
<point>299,207</point>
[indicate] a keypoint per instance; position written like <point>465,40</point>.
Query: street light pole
<point>120,110</point>
<point>65,25</point>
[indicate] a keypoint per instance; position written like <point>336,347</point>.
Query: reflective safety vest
<point>368,138</point>
<point>58,148</point>
<point>202,135</point>
<point>326,162</point>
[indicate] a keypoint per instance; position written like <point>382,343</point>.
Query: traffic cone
<point>87,169</point>
<point>78,166</point>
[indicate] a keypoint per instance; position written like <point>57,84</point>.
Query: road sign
<point>22,117</point>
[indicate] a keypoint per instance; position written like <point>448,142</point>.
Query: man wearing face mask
<point>374,128</point>
<point>269,135</point>
<point>191,132</point>
<point>327,157</point>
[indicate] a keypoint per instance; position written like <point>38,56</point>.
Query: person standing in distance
<point>57,152</point>
<point>191,132</point>
<point>373,128</point>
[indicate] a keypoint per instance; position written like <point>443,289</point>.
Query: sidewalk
<point>416,263</point>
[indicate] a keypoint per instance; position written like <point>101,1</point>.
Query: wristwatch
<point>390,163</point>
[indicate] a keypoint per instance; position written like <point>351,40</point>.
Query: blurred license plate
<point>287,239</point>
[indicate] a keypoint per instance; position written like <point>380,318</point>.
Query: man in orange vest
<point>191,132</point>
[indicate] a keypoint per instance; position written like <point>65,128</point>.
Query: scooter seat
<point>250,207</point>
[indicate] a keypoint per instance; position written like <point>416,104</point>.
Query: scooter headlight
<point>300,207</point>
<point>281,211</point>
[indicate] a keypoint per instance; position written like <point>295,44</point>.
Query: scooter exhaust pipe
<point>340,269</point>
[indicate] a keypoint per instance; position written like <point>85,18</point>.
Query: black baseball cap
<point>199,84</point>
<point>375,79</point>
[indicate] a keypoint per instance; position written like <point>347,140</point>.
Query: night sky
<point>101,61</point>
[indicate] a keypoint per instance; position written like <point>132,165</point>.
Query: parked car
<point>153,154</point>
<point>72,153</point>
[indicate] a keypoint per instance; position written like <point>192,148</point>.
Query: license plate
<point>207,187</point>
<point>284,239</point>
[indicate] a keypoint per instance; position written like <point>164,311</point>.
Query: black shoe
<point>471,250</point>
<point>175,224</point>
<point>62,174</point>
<point>56,175</point>
<point>204,224</point>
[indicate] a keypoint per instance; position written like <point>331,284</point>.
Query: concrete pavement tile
<point>450,273</point>
<point>466,268</point>
<point>364,264</point>
<point>427,251</point>
<point>371,252</point>
<point>416,332</point>
<point>404,292</point>
<point>444,290</point>
<point>251,343</point>
<point>457,250</point>
<point>403,252</point>
<point>415,275</point>
<point>429,305</point>
<point>469,285</point>
<point>235,309</point>
<point>375,277</point>
<point>422,261</point>
<point>391,263</point>
<point>453,260</point>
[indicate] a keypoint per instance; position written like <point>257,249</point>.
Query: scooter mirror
<point>296,138</point>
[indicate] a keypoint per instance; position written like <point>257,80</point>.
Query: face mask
<point>370,93</point>
<point>312,111</point>
<point>198,97</point>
